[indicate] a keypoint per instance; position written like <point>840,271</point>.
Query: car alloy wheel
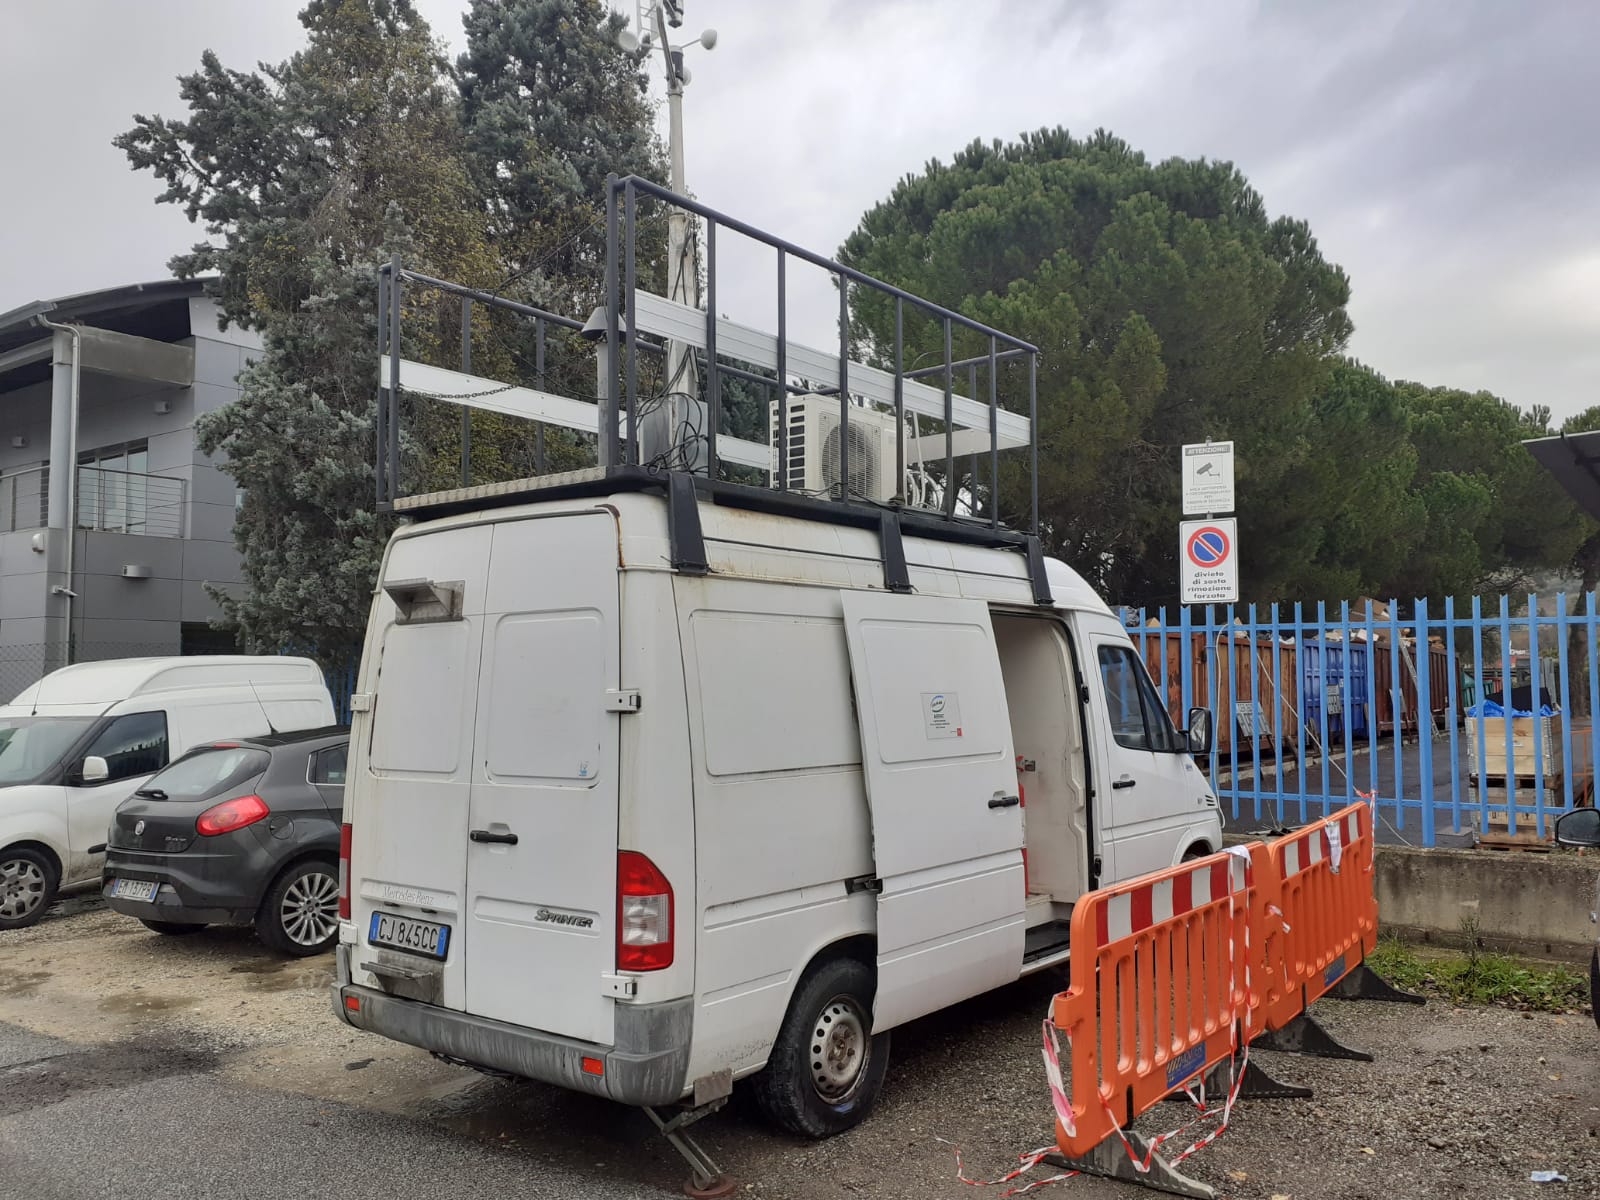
<point>309,911</point>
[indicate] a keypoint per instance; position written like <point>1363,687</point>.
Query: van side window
<point>1139,720</point>
<point>133,744</point>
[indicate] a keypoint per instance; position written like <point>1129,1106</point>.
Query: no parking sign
<point>1208,561</point>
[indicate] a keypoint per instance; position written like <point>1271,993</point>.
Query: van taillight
<point>644,914</point>
<point>344,872</point>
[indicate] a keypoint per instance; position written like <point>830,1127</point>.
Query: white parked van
<point>642,833</point>
<point>81,740</point>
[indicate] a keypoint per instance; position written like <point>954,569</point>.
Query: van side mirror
<point>1200,731</point>
<point>1580,827</point>
<point>94,770</point>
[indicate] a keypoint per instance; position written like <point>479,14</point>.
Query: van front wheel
<point>827,1066</point>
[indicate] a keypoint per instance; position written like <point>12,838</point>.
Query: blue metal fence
<point>1317,705</point>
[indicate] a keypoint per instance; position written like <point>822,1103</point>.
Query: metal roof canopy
<point>1574,459</point>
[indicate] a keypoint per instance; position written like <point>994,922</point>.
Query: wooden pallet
<point>1528,843</point>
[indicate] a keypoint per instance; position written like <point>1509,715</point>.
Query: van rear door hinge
<point>623,701</point>
<point>863,883</point>
<point>361,702</point>
<point>625,987</point>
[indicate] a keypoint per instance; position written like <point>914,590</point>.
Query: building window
<point>196,637</point>
<point>113,488</point>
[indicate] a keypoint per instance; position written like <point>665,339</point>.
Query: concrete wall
<point>1523,903</point>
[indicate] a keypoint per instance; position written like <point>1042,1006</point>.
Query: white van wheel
<point>27,886</point>
<point>827,1066</point>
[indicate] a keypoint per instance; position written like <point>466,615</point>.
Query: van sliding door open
<point>942,786</point>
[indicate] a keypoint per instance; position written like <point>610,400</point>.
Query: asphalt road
<point>137,1067</point>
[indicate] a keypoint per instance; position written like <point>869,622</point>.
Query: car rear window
<point>203,773</point>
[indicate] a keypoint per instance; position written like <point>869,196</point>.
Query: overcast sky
<point>1446,153</point>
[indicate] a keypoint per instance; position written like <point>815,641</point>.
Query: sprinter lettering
<point>577,921</point>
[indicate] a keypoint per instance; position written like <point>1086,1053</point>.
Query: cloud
<point>1446,153</point>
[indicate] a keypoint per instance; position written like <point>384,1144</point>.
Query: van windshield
<point>30,746</point>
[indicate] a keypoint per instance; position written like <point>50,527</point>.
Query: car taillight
<point>230,815</point>
<point>644,914</point>
<point>344,872</point>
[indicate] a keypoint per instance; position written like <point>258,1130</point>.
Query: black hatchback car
<point>242,832</point>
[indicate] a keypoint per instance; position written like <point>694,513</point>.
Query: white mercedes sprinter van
<point>84,738</point>
<point>643,832</point>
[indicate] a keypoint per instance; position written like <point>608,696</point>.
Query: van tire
<point>28,883</point>
<point>170,928</point>
<point>803,1090</point>
<point>1198,851</point>
<point>311,886</point>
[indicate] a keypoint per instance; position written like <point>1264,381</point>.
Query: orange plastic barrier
<point>1318,882</point>
<point>1161,998</point>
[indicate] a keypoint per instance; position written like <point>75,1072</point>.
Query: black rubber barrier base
<point>1364,983</point>
<point>1305,1035</point>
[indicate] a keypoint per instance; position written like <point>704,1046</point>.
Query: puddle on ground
<point>22,983</point>
<point>138,1004</point>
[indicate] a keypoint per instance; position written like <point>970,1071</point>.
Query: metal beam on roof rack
<point>492,395</point>
<point>657,315</point>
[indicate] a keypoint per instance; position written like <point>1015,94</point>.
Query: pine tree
<point>309,174</point>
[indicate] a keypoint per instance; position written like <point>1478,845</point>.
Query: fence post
<point>1302,661</point>
<point>1535,705</point>
<point>1480,689</point>
<point>1322,701</point>
<point>1454,713</point>
<point>1594,684</point>
<point>1233,709</point>
<point>1505,699</point>
<point>1423,672</point>
<point>1347,721</point>
<point>1564,700</point>
<point>1277,706</point>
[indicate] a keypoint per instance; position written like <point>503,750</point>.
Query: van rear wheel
<point>827,1066</point>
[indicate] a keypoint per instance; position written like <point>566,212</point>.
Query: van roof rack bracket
<point>683,524</point>
<point>896,575</point>
<point>1036,571</point>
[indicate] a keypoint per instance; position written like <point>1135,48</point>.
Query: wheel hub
<point>839,1049</point>
<point>21,888</point>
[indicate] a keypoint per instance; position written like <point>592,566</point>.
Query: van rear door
<point>942,786</point>
<point>409,849</point>
<point>542,855</point>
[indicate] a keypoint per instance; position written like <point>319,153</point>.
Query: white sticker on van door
<point>941,712</point>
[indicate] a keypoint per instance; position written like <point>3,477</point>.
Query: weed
<point>1480,977</point>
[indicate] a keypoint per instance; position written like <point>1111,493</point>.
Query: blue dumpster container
<point>1322,663</point>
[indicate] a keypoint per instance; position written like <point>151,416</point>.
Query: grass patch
<point>1478,977</point>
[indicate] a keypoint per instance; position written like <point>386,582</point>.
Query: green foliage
<point>1493,513</point>
<point>1169,308</point>
<point>1476,977</point>
<point>308,174</point>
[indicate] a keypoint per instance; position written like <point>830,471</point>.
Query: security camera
<point>594,330</point>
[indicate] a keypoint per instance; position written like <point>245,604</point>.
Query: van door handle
<point>1001,800</point>
<point>1124,782</point>
<point>493,839</point>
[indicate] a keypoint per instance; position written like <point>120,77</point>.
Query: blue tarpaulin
<point>1490,709</point>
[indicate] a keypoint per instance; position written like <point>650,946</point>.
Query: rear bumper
<point>193,889</point>
<point>648,1065</point>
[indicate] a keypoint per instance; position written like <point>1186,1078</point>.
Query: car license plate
<point>409,934</point>
<point>135,889</point>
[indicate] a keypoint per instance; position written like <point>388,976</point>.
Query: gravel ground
<point>1459,1102</point>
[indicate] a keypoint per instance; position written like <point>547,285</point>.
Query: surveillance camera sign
<point>1208,561</point>
<point>1207,478</point>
